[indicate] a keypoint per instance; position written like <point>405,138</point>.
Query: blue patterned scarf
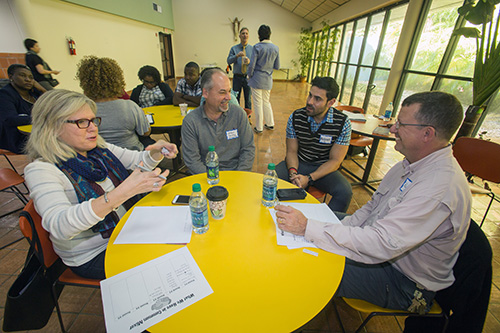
<point>85,172</point>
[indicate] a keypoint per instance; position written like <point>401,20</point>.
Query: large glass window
<point>439,62</point>
<point>446,63</point>
<point>359,54</point>
<point>362,55</point>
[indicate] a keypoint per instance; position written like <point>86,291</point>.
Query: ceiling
<point>310,10</point>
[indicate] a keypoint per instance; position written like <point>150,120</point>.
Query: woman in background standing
<point>265,59</point>
<point>40,69</point>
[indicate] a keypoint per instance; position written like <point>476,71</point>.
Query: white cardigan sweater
<point>67,220</point>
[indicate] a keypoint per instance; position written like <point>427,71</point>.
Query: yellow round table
<point>168,119</point>
<point>258,286</point>
<point>25,129</point>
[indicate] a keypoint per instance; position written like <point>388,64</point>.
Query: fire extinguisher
<point>72,47</point>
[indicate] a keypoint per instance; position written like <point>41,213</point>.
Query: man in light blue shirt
<point>239,55</point>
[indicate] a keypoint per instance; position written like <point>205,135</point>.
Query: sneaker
<point>269,127</point>
<point>256,130</point>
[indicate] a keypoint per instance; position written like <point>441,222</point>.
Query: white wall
<point>133,44</point>
<point>350,10</point>
<point>11,29</point>
<point>203,31</point>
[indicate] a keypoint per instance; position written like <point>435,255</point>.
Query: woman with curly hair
<point>152,91</point>
<point>123,122</point>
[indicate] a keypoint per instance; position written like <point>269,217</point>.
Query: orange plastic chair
<point>317,193</point>
<point>29,217</point>
<point>4,153</point>
<point>9,179</point>
<point>479,158</point>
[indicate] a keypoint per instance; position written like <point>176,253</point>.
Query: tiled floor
<point>82,309</point>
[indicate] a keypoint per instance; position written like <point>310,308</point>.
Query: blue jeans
<point>240,82</point>
<point>380,284</point>
<point>93,269</point>
<point>334,184</point>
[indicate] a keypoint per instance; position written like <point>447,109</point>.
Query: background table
<point>258,286</point>
<point>168,119</point>
<point>366,129</point>
<point>25,129</point>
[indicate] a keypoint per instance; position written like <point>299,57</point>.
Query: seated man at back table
<point>317,140</point>
<point>188,88</point>
<point>402,245</point>
<point>217,123</point>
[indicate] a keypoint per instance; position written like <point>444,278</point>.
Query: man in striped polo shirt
<point>317,139</point>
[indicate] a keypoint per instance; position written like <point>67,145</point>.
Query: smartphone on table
<point>181,200</point>
<point>291,194</point>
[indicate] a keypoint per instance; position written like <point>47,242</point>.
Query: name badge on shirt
<point>232,134</point>
<point>406,183</point>
<point>325,139</point>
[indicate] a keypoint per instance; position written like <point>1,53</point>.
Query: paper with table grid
<point>140,297</point>
<point>320,212</point>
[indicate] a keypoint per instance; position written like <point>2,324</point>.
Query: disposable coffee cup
<point>184,109</point>
<point>217,200</point>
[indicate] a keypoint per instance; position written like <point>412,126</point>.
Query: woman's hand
<point>136,183</point>
<point>157,153</point>
<point>142,181</point>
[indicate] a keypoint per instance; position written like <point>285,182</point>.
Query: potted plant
<point>325,46</point>
<point>486,78</point>
<point>305,50</point>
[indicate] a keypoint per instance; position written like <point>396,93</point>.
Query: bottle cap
<point>211,148</point>
<point>196,187</point>
<point>217,193</point>
<point>271,166</point>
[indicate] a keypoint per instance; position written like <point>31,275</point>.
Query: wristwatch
<point>311,181</point>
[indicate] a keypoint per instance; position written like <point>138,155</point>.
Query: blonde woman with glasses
<point>81,185</point>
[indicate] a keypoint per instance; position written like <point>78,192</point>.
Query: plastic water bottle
<point>388,112</point>
<point>212,163</point>
<point>269,186</point>
<point>199,211</point>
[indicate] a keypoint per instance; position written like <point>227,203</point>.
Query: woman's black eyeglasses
<point>85,123</point>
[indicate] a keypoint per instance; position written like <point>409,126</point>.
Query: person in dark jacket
<point>466,300</point>
<point>41,71</point>
<point>16,100</point>
<point>152,91</point>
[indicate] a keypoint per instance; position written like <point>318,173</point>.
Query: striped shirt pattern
<point>316,140</point>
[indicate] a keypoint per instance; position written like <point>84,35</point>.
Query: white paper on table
<point>157,224</point>
<point>320,212</point>
<point>143,296</point>
<point>355,116</point>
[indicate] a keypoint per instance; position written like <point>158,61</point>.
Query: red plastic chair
<point>479,158</point>
<point>29,217</point>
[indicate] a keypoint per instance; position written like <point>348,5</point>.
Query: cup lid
<point>217,193</point>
